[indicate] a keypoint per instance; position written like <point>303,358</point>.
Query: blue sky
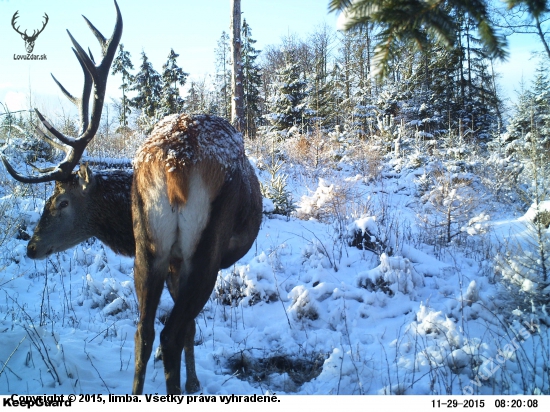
<point>192,28</point>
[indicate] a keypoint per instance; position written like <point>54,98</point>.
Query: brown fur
<point>177,183</point>
<point>194,207</point>
<point>99,206</point>
<point>223,213</point>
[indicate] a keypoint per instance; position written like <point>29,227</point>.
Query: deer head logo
<point>29,40</point>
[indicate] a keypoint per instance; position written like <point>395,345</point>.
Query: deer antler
<point>15,16</point>
<point>35,32</point>
<point>94,75</point>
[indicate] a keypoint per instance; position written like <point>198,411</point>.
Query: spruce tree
<point>320,89</point>
<point>172,76</point>
<point>148,85</point>
<point>122,64</point>
<point>251,81</point>
<point>288,104</point>
<point>532,113</point>
<point>541,103</point>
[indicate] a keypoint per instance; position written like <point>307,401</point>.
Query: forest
<point>405,243</point>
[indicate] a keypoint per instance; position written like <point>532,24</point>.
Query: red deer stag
<point>191,207</point>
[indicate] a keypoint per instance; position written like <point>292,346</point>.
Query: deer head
<point>56,229</point>
<point>29,40</point>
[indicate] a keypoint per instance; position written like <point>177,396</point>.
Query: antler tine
<point>54,174</point>
<point>109,48</point>
<point>100,72</point>
<point>51,142</point>
<point>100,38</point>
<point>78,102</point>
<point>69,141</point>
<point>68,95</point>
<point>35,32</point>
<point>83,58</point>
<point>15,17</point>
<point>91,55</point>
<point>42,170</point>
<point>81,103</point>
<point>45,22</point>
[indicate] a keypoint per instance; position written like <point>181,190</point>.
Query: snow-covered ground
<point>303,312</point>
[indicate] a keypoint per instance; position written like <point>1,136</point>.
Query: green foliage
<point>531,121</point>
<point>158,95</point>
<point>276,190</point>
<point>288,105</point>
<point>199,98</point>
<point>418,23</point>
<point>251,81</point>
<point>122,64</point>
<point>172,77</point>
<point>525,267</point>
<point>147,83</point>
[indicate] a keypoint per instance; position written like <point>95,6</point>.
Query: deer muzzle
<point>35,251</point>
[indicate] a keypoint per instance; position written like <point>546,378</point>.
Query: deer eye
<point>63,204</point>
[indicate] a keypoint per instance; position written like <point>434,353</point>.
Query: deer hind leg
<point>195,282</point>
<point>150,270</point>
<point>179,335</point>
<point>148,290</point>
<point>179,332</point>
<point>197,279</point>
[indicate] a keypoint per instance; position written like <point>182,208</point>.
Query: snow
<point>190,139</point>
<point>407,319</point>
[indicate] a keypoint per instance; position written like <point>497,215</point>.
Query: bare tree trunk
<point>237,104</point>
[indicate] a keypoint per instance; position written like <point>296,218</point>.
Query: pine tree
<point>353,87</point>
<point>172,76</point>
<point>541,104</point>
<point>251,81</point>
<point>122,64</point>
<point>148,85</point>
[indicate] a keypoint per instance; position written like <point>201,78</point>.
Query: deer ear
<point>85,178</point>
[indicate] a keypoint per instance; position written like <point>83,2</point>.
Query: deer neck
<point>111,212</point>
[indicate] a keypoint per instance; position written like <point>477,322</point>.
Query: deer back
<point>186,163</point>
<point>182,145</point>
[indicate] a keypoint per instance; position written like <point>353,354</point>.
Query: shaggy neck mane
<point>112,212</point>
